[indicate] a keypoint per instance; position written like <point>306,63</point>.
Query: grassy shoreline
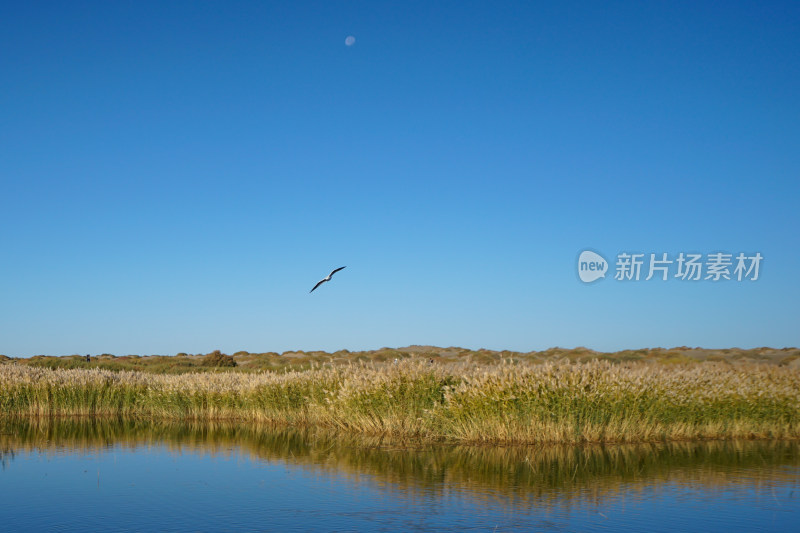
<point>562,402</point>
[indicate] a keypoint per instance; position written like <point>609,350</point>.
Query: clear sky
<point>176,176</point>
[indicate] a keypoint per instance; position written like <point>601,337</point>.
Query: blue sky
<point>176,176</point>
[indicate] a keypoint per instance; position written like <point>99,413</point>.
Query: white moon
<point>349,41</point>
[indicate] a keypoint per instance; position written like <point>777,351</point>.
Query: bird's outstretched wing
<point>320,282</point>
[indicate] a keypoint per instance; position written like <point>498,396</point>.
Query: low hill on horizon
<point>299,359</point>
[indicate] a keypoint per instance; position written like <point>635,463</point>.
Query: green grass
<point>518,402</point>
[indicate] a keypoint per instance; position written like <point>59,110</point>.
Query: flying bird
<point>320,282</point>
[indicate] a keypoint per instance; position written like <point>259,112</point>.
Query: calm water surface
<point>135,476</point>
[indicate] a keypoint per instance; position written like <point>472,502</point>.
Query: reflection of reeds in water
<point>585,472</point>
<point>592,402</point>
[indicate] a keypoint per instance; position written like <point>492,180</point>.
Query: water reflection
<point>587,473</point>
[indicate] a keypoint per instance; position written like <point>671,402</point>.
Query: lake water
<point>112,475</point>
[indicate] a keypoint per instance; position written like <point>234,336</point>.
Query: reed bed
<point>552,402</point>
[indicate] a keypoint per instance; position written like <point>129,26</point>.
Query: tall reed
<point>552,402</point>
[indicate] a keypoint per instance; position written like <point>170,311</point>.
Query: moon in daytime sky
<point>349,40</point>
